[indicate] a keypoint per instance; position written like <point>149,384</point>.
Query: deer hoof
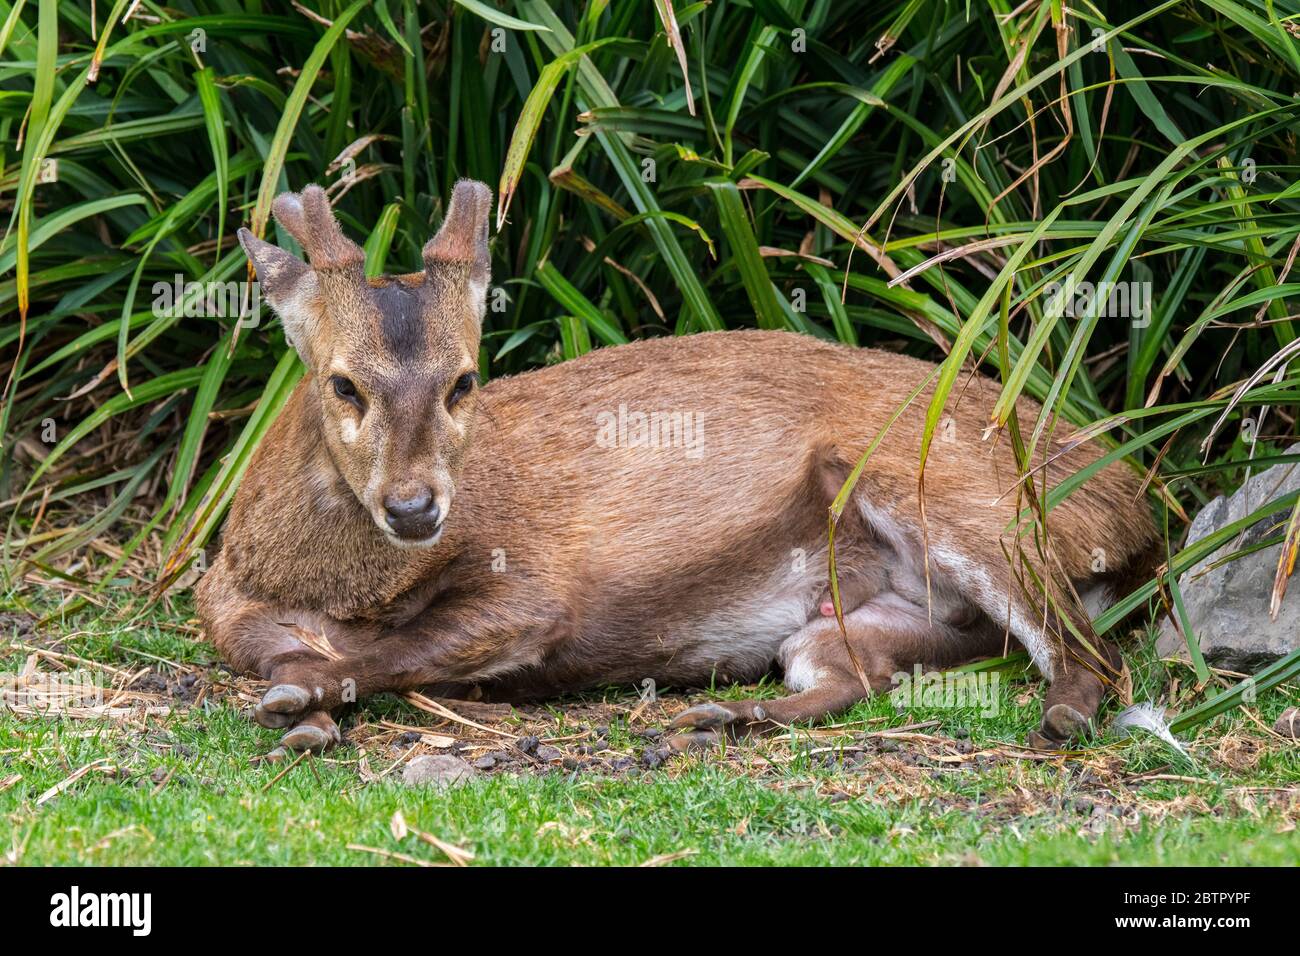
<point>272,720</point>
<point>1035,740</point>
<point>1063,722</point>
<point>286,699</point>
<point>699,740</point>
<point>308,737</point>
<point>707,716</point>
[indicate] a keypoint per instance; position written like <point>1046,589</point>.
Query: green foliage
<point>877,173</point>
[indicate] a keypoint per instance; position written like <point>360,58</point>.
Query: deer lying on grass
<point>527,538</point>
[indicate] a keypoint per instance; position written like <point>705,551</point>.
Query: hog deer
<point>559,529</point>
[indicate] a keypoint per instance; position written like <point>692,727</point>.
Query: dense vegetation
<point>922,175</point>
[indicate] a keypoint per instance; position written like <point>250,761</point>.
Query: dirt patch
<point>17,625</point>
<point>607,738</point>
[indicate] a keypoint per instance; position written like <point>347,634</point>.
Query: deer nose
<point>415,517</point>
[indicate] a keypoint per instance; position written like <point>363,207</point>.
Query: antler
<point>463,238</point>
<point>308,218</point>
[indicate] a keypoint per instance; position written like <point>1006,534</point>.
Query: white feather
<point>1147,716</point>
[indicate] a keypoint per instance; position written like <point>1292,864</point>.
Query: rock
<point>1288,724</point>
<point>436,770</point>
<point>1227,605</point>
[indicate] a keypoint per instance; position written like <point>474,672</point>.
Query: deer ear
<point>463,238</point>
<point>291,287</point>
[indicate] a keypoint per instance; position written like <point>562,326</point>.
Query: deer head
<point>393,361</point>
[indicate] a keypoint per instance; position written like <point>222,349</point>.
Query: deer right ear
<point>463,239</point>
<point>291,287</point>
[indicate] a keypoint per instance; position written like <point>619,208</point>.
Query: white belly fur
<point>740,641</point>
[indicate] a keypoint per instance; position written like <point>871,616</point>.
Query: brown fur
<point>564,564</point>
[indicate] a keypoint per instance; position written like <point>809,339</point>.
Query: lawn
<point>596,785</point>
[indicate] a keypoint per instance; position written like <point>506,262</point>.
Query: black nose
<point>414,517</point>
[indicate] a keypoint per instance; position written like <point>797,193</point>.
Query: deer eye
<point>345,390</point>
<point>461,388</point>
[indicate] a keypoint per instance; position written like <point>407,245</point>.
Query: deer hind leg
<point>1079,682</point>
<point>1078,675</point>
<point>887,634</point>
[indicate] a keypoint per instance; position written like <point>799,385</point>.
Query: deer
<point>564,529</point>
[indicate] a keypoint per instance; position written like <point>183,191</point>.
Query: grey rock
<point>436,770</point>
<point>1227,605</point>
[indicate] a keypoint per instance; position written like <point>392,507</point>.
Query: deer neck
<point>298,536</point>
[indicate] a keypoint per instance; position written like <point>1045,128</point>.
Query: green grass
<point>309,820</point>
<point>188,789</point>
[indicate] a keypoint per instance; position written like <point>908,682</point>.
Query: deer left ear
<point>291,287</point>
<point>463,239</point>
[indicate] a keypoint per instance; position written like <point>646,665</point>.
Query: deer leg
<point>264,645</point>
<point>314,731</point>
<point>1076,693</point>
<point>887,635</point>
<point>259,638</point>
<point>459,647</point>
